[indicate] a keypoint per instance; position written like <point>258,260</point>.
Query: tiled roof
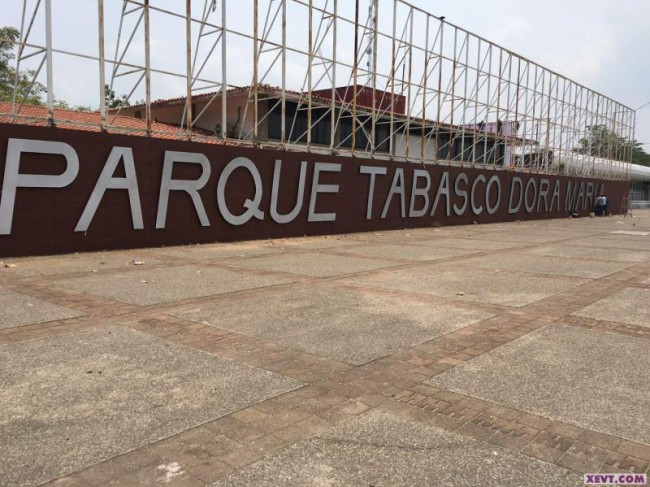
<point>91,121</point>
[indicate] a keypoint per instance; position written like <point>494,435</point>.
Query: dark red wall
<point>44,218</point>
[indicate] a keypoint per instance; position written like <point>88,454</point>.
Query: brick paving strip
<point>336,391</point>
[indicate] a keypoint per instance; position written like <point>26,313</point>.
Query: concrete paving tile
<point>477,243</point>
<point>407,235</point>
<point>566,374</point>
<point>313,264</point>
<point>73,263</point>
<point>20,309</point>
<point>210,470</point>
<point>479,285</point>
<point>514,235</point>
<point>630,306</point>
<point>578,463</point>
<point>525,262</point>
<point>220,251</point>
<point>145,287</point>
<point>617,255</point>
<point>172,474</point>
<point>74,400</point>
<point>345,324</point>
<point>406,252</point>
<point>629,242</point>
<point>377,448</point>
<point>324,242</point>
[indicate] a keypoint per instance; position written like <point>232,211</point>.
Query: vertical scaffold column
<point>255,68</point>
<point>102,60</point>
<point>147,67</point>
<point>188,65</point>
<point>224,72</point>
<point>49,63</point>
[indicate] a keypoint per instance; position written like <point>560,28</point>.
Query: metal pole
<point>633,139</point>
<point>373,73</point>
<point>310,41</point>
<point>499,83</point>
<point>224,73</point>
<point>526,113</point>
<point>477,87</point>
<point>102,73</point>
<point>147,72</point>
<point>464,117</point>
<point>333,100</point>
<point>536,97</point>
<point>424,94</point>
<point>548,117</point>
<point>283,121</point>
<point>408,93</point>
<point>355,75</point>
<point>440,68</point>
<point>392,86</point>
<point>452,134</point>
<point>487,151</point>
<point>188,59</point>
<point>255,67</point>
<point>563,105</point>
<point>48,46</point>
<point>515,122</point>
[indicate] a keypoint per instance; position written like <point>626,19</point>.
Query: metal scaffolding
<point>366,78</point>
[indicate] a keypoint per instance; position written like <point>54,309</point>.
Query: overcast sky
<point>603,44</point>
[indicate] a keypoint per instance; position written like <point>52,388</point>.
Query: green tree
<point>113,101</point>
<point>603,142</point>
<point>8,78</point>
<point>639,156</point>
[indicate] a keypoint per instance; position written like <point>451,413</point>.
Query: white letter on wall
<point>252,206</point>
<point>459,210</point>
<point>373,171</point>
<point>422,192</point>
<point>519,182</point>
<point>396,188</point>
<point>494,180</point>
<point>13,179</point>
<point>532,183</point>
<point>477,210</point>
<point>443,189</point>
<point>107,181</point>
<point>191,187</point>
<point>291,216</point>
<point>322,188</point>
<point>556,194</point>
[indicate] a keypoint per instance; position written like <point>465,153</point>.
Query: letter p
<point>13,179</point>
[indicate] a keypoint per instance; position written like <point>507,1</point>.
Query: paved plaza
<point>487,355</point>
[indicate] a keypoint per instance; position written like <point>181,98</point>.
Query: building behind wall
<point>492,143</point>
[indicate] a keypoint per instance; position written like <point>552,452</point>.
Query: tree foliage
<point>113,101</point>
<point>603,142</point>
<point>8,78</point>
<point>639,156</point>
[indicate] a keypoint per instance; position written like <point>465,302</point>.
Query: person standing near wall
<point>600,201</point>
